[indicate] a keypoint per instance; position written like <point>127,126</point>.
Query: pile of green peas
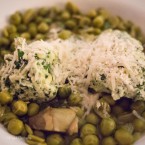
<point>36,24</point>
<point>119,127</point>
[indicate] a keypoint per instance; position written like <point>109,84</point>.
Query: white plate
<point>129,9</point>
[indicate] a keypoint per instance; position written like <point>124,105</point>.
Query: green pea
<point>84,21</point>
<point>72,7</point>
<point>109,141</point>
<point>79,111</point>
<point>19,108</point>
<point>104,13</point>
<point>32,30</point>
<point>55,139</point>
<point>121,25</point>
<point>29,15</point>
<point>90,140</point>
<point>48,20</point>
<point>13,36</point>
<point>139,125</point>
<point>92,13</point>
<point>4,41</point>
<point>21,28</point>
<point>33,109</point>
<point>123,137</point>
<point>5,97</point>
<point>43,11</point>
<point>74,99</point>
<point>70,24</point>
<point>64,92</point>
<point>15,126</point>
<point>40,36</point>
<point>107,126</point>
<point>39,19</point>
<point>114,21</point>
<point>56,10</point>
<point>39,133</point>
<point>65,15</point>
<point>96,31</point>
<point>64,34</point>
<point>43,27</point>
<point>88,129</point>
<point>15,18</point>
<point>26,35</point>
<point>5,33</point>
<point>36,138</point>
<point>28,129</point>
<point>7,117</point>
<point>98,21</point>
<point>139,106</point>
<point>32,24</point>
<point>92,118</point>
<point>76,141</point>
<point>11,29</point>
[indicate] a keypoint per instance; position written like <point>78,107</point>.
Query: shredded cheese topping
<point>114,63</point>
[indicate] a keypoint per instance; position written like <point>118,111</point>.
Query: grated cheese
<point>114,63</point>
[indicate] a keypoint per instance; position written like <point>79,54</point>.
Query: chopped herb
<point>17,64</point>
<point>46,76</point>
<point>36,56</point>
<point>139,86</point>
<point>47,67</point>
<point>20,62</point>
<point>120,66</point>
<point>43,62</point>
<point>25,61</point>
<point>143,69</point>
<point>48,53</point>
<point>7,82</point>
<point>138,93</point>
<point>20,54</point>
<point>103,77</point>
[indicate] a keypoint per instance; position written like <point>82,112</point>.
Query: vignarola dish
<point>72,78</point>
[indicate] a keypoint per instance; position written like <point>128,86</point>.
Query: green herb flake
<point>103,77</point>
<point>47,67</point>
<point>17,64</point>
<point>20,54</point>
<point>143,69</point>
<point>36,56</point>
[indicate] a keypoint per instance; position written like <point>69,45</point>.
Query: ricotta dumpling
<point>114,63</point>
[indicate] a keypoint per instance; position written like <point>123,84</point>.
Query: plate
<point>128,9</point>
